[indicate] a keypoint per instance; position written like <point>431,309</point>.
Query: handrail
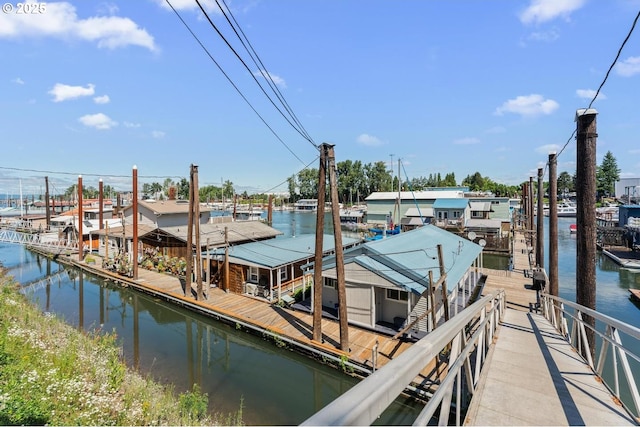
<point>554,310</point>
<point>468,336</point>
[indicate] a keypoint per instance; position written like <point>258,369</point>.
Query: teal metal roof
<point>407,258</point>
<point>281,251</point>
<point>460,203</point>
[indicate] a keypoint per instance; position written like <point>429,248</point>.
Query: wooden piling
<point>553,225</point>
<point>586,216</point>
<point>540,222</point>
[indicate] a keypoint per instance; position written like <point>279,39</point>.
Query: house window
<point>397,295</point>
<point>456,214</point>
<point>330,283</point>
<point>477,214</point>
<point>253,274</point>
<point>284,274</point>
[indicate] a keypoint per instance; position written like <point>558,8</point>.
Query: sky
<point>94,88</point>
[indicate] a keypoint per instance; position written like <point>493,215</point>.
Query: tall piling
<point>586,216</point>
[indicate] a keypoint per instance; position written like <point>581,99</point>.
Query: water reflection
<point>173,345</point>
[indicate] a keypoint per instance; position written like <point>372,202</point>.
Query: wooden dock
<point>635,295</point>
<point>293,326</point>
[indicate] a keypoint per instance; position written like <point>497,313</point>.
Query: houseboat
<point>306,205</point>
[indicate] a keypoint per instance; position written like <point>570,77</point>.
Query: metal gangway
<point>461,344</point>
<point>45,240</point>
<point>509,367</point>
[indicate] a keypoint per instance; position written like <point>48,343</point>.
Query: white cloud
<point>18,81</point>
<point>629,67</point>
<point>209,5</point>
<point>62,92</point>
<point>279,81</point>
<point>544,36</point>
<point>634,151</point>
<point>131,125</point>
<point>548,148</point>
<point>540,11</point>
<point>589,94</point>
<point>369,140</point>
<point>104,99</point>
<point>158,134</point>
<point>61,21</point>
<point>466,141</point>
<point>98,121</point>
<point>529,105</point>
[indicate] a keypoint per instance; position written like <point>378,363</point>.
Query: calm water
<point>278,386</point>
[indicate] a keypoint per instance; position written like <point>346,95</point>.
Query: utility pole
<point>46,202</point>
<point>540,222</point>
<point>339,250</point>
<point>586,216</point>
<point>317,269</point>
<point>196,215</point>
<point>189,255</point>
<point>101,205</point>
<point>553,224</point>
<point>134,256</point>
<point>80,242</point>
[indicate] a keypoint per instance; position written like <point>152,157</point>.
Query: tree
<point>565,183</point>
<point>308,183</point>
<point>607,175</point>
<point>183,189</point>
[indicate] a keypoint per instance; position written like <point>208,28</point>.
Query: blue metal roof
<point>407,258</point>
<point>460,203</point>
<point>274,253</point>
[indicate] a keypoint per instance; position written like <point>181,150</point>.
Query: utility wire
<point>231,82</point>
<point>260,65</point>
<point>615,60</point>
<point>251,73</point>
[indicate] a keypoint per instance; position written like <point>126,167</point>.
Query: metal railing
<point>465,339</point>
<point>43,240</point>
<point>614,361</point>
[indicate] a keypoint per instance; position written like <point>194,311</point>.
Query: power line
<point>256,59</point>
<point>231,82</point>
<point>615,60</point>
<point>250,72</point>
<point>87,174</point>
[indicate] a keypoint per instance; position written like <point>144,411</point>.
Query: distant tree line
<point>356,181</point>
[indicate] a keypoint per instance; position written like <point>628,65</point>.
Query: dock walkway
<point>532,374</point>
<point>293,326</point>
<point>534,377</point>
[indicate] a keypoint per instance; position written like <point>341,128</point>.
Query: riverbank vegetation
<point>51,373</point>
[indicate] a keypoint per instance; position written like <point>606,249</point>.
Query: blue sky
<point>93,88</point>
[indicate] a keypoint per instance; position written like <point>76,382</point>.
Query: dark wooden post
<point>586,216</point>
<point>524,207</point>
<point>196,222</point>
<point>80,241</point>
<point>270,210</point>
<point>135,223</point>
<point>540,222</point>
<point>553,224</point>
<point>339,251</point>
<point>317,265</point>
<point>46,202</point>
<point>443,271</point>
<point>531,210</point>
<point>101,205</point>
<point>189,254</point>
<point>226,281</point>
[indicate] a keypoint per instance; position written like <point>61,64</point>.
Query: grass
<point>50,373</point>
